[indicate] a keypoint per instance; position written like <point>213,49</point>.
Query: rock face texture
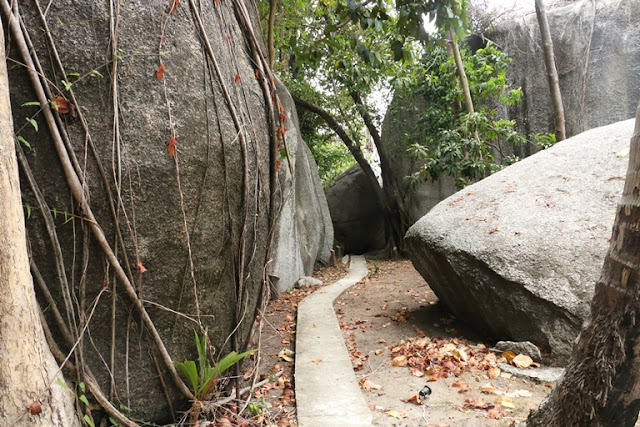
<point>358,222</point>
<point>304,232</point>
<point>174,153</point>
<point>426,194</point>
<point>597,50</point>
<point>518,253</point>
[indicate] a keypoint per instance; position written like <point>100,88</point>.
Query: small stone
<point>307,281</point>
<point>520,347</point>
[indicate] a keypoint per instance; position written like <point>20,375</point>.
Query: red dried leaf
<point>160,72</point>
<point>172,146</point>
<point>141,267</point>
<point>60,104</point>
<point>237,78</point>
<point>174,6</point>
<point>413,399</point>
<point>34,408</point>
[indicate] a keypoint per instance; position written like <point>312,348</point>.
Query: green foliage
<point>24,141</point>
<point>203,376</point>
<point>449,140</point>
<point>544,140</point>
<point>255,408</point>
<point>327,49</point>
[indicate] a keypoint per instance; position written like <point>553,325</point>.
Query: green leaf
<point>229,360</point>
<point>189,370</point>
<point>73,74</point>
<point>28,208</point>
<point>33,123</point>
<point>64,385</point>
<point>87,419</point>
<point>31,103</point>
<point>24,141</point>
<point>67,85</point>
<point>81,384</point>
<point>84,399</point>
<point>97,73</point>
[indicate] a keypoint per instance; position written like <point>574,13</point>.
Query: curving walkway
<point>327,392</point>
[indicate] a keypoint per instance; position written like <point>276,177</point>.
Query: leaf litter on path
<point>424,344</point>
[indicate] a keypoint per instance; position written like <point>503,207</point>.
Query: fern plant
<point>203,376</point>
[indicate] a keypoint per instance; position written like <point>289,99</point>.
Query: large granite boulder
<point>358,222</point>
<point>518,253</point>
<point>304,232</point>
<point>176,168</point>
<point>597,53</point>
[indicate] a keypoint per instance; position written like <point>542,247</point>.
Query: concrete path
<point>327,392</point>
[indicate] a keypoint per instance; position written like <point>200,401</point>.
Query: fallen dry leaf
<point>489,389</point>
<point>476,403</point>
<point>496,413</point>
<point>399,361</point>
<point>509,355</point>
<point>508,403</point>
<point>493,372</point>
<point>396,414</point>
<point>317,360</point>
<point>519,393</point>
<point>460,384</point>
<point>379,351</point>
<point>522,361</point>
<point>367,384</point>
<point>416,372</point>
<point>413,399</point>
<point>285,354</point>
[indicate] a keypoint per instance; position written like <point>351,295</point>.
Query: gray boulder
<point>192,231</point>
<point>519,252</point>
<point>597,52</point>
<point>304,232</point>
<point>358,222</point>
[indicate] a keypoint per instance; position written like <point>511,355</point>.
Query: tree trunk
<point>398,218</point>
<point>387,205</point>
<point>602,384</point>
<point>28,371</point>
<point>468,101</point>
<point>461,73</point>
<point>552,72</point>
<point>270,34</point>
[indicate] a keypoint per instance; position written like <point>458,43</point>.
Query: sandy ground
<point>393,318</point>
<point>394,309</point>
